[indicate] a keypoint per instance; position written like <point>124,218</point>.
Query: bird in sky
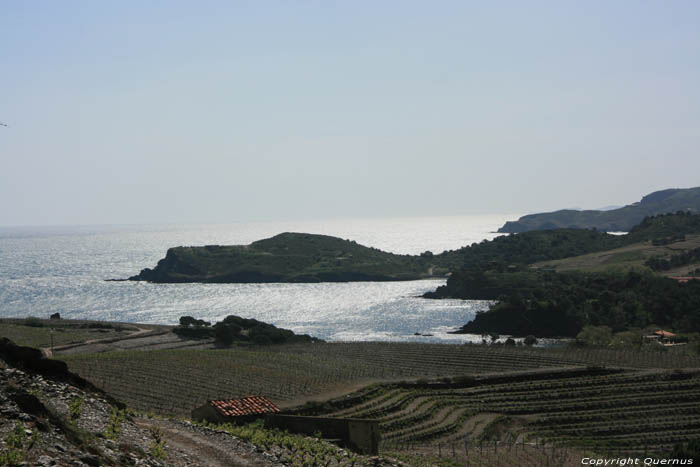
<point>3,124</point>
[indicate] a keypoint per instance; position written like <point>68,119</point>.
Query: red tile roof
<point>663,333</point>
<point>246,406</point>
<point>683,279</point>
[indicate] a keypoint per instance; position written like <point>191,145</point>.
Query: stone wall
<point>360,435</point>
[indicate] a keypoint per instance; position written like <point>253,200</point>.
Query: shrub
<point>193,332</point>
<point>530,340</point>
<point>13,454</point>
<point>187,321</point>
<point>157,448</point>
<point>33,322</point>
<point>76,404</point>
<point>226,334</point>
<point>116,417</point>
<point>595,335</point>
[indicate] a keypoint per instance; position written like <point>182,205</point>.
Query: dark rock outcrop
<point>30,358</point>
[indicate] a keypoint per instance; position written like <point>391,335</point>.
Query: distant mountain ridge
<point>614,220</point>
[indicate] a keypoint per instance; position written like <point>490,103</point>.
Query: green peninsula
<point>292,257</point>
<point>614,220</point>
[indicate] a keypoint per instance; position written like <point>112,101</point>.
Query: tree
<point>594,335</point>
<point>187,321</point>
<point>530,340</point>
<point>225,334</point>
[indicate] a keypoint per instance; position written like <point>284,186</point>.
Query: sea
<point>45,270</point>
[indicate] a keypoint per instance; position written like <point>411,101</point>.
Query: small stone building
<point>663,337</point>
<point>239,411</point>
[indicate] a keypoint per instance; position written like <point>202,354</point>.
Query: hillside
<point>619,287</point>
<point>50,416</point>
<point>437,404</point>
<point>539,246</point>
<point>290,257</point>
<point>303,257</point>
<point>547,304</point>
<point>615,220</point>
<point>640,256</point>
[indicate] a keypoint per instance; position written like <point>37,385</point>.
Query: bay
<point>62,269</point>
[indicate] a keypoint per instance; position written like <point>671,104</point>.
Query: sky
<point>173,111</point>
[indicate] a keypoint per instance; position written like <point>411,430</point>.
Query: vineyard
<point>172,382</point>
<point>462,404</point>
<point>36,332</point>
<point>591,408</point>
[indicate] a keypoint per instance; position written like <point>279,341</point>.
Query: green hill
<point>663,237</point>
<point>619,287</point>
<point>290,257</point>
<point>615,220</point>
<point>667,244</point>
<point>302,257</point>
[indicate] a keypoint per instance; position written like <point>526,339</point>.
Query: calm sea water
<point>44,270</point>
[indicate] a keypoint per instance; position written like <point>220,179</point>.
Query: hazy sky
<point>204,111</point>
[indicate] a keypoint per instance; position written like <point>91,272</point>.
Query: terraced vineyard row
<point>481,357</point>
<point>633,411</point>
<point>488,455</point>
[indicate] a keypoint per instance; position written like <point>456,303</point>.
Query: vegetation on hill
<point>545,303</point>
<point>561,304</point>
<point>526,248</point>
<point>662,228</point>
<point>300,257</point>
<point>289,257</point>
<point>615,220</point>
<point>530,247</point>
<point>641,256</point>
<point>237,330</point>
<point>674,261</point>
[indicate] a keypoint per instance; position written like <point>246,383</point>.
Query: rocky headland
<point>291,257</point>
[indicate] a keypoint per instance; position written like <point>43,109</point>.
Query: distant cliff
<point>615,220</point>
<point>291,257</point>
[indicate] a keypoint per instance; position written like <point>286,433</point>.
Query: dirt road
<point>190,445</point>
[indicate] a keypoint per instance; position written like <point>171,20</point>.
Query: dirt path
<point>88,344</point>
<point>189,445</point>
